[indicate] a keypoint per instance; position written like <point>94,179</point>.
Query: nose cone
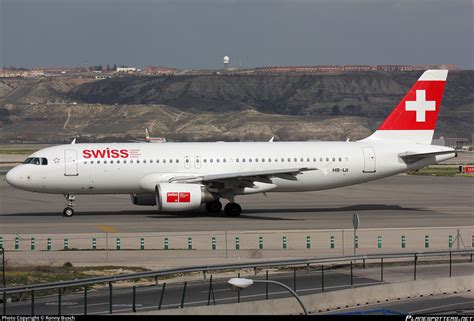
<point>13,177</point>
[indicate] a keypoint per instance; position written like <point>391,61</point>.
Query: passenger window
<point>211,160</point>
<point>340,159</point>
<point>236,160</point>
<point>151,161</point>
<point>256,160</point>
<point>308,160</point>
<point>98,161</point>
<point>85,162</point>
<point>301,159</point>
<point>327,159</point>
<point>125,161</point>
<point>118,161</point>
<point>334,159</point>
<point>320,159</point>
<point>177,161</point>
<point>250,160</point>
<point>224,160</point>
<point>217,160</point>
<point>144,161</point>
<point>289,159</point>
<point>105,161</point>
<point>157,161</point>
<point>243,160</point>
<point>111,162</point>
<point>314,159</point>
<point>164,161</point>
<point>138,161</point>
<point>295,159</point>
<point>131,161</point>
<point>205,160</point>
<point>92,162</point>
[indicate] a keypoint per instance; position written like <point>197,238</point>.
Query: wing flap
<point>241,175</point>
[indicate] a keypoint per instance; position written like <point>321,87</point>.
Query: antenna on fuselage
<point>271,139</point>
<point>73,141</point>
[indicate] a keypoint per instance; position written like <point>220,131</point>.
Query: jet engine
<point>143,199</point>
<point>181,197</point>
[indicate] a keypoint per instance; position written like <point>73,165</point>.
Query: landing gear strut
<point>214,207</point>
<point>69,211</point>
<point>232,209</point>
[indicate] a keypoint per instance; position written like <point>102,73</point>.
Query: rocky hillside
<point>220,107</point>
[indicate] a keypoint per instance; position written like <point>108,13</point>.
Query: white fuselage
<point>70,169</point>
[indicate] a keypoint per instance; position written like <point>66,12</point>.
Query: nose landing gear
<point>69,211</point>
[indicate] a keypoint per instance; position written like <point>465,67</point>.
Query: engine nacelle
<point>181,197</point>
<point>143,199</point>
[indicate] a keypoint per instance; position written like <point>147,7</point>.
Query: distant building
<point>455,142</point>
<point>159,70</point>
<point>348,68</point>
<point>127,70</point>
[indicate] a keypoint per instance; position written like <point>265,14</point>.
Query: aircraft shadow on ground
<point>246,214</point>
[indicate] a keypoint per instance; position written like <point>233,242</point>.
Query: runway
<point>399,201</point>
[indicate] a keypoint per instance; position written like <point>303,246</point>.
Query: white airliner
<point>182,176</point>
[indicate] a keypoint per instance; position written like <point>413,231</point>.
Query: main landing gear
<point>69,211</point>
<point>231,209</point>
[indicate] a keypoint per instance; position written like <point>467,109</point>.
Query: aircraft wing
<point>289,173</point>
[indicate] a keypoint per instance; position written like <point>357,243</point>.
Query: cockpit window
<point>36,161</point>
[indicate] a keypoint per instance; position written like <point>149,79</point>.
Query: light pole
<point>238,284</point>
<point>2,252</point>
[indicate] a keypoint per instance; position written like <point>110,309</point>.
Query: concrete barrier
<point>318,242</point>
<point>335,300</point>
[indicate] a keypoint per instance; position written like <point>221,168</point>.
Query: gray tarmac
<point>399,201</point>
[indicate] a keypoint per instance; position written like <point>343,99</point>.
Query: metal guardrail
<point>220,267</point>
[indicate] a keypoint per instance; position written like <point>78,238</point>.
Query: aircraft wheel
<point>232,209</point>
<point>68,212</point>
<point>214,207</point>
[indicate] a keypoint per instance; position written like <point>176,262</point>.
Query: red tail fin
<point>414,118</point>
